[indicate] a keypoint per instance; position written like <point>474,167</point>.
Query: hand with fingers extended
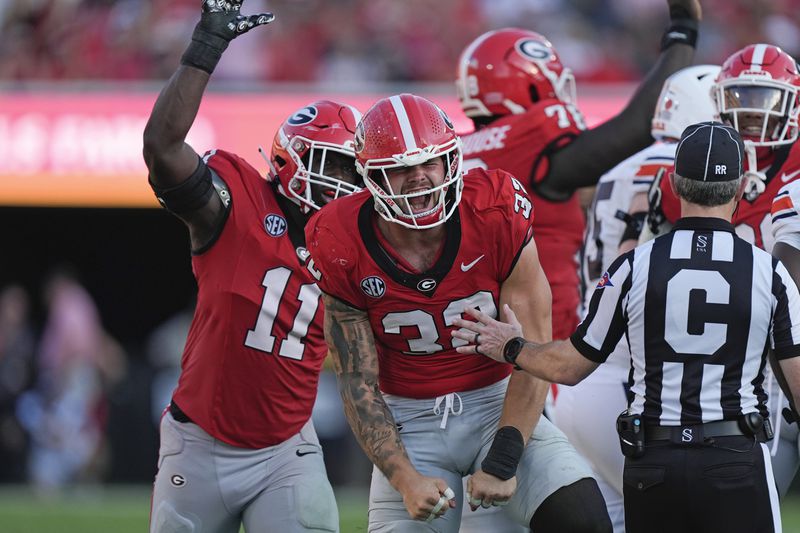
<point>427,498</point>
<point>485,490</point>
<point>221,22</point>
<point>486,335</point>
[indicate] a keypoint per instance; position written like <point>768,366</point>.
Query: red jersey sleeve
<point>506,199</point>
<point>670,204</point>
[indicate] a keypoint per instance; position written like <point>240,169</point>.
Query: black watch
<point>512,350</point>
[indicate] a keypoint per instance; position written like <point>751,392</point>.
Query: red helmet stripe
<point>403,121</point>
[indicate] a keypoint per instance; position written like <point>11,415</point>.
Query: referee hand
<point>486,335</point>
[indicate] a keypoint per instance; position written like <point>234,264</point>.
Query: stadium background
<point>78,80</point>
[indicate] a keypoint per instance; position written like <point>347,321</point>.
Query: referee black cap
<point>709,151</point>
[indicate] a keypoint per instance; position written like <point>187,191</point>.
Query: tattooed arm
<point>355,360</point>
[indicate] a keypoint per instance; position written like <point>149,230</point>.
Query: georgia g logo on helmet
<point>303,116</point>
<point>446,119</point>
<point>531,49</point>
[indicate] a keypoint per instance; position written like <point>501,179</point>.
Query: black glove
<point>220,23</point>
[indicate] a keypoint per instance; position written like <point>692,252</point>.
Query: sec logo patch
<point>275,225</point>
<point>373,286</point>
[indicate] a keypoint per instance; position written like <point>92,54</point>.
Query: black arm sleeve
<point>596,151</point>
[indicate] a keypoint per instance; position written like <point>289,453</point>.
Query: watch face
<point>513,348</point>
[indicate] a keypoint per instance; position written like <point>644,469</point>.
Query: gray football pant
<point>204,485</point>
<point>470,421</point>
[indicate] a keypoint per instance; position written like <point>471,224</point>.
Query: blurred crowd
<point>54,384</point>
<point>63,378</point>
<point>364,40</point>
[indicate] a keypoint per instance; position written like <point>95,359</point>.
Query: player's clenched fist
<point>485,490</point>
<point>427,498</point>
<point>220,23</point>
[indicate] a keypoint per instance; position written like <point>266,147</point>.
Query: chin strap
<point>756,181</point>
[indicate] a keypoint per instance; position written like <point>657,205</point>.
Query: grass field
<point>125,510</point>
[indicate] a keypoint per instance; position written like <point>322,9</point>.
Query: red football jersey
<point>251,364</point>
<point>412,313</point>
<point>522,144</point>
<point>752,218</point>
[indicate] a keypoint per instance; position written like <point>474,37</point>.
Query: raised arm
<point>178,176</point>
<point>595,151</point>
<point>355,360</point>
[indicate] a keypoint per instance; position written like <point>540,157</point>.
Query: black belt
<point>698,433</point>
<point>178,414</point>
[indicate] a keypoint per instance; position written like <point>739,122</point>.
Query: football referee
<point>700,308</point>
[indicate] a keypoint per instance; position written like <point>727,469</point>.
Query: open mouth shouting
<point>420,202</point>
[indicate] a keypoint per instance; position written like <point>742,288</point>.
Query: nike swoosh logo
<point>464,267</point>
<point>786,178</point>
<point>301,454</point>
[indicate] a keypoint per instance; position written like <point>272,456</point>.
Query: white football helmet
<point>686,98</point>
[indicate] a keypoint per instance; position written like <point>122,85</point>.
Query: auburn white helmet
<point>685,100</point>
<point>312,152</point>
<point>405,131</point>
<point>756,92</point>
<point>506,71</point>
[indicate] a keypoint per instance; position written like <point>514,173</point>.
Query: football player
<point>521,99</point>
<point>237,444</point>
<point>587,412</point>
<point>397,264</point>
<point>756,92</point>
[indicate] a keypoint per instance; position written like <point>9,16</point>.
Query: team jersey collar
<point>704,223</point>
<point>425,283</point>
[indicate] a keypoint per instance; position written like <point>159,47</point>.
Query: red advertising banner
<point>85,150</point>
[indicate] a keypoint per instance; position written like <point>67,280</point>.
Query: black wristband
<point>505,453</point>
<point>205,50</point>
<point>680,31</point>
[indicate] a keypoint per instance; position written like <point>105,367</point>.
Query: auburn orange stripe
<point>784,202</point>
<point>650,170</point>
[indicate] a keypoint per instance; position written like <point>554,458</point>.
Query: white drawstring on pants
<point>449,407</point>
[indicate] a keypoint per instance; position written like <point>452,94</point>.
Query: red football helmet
<point>756,92</point>
<point>312,158</point>
<point>506,71</point>
<point>406,131</point>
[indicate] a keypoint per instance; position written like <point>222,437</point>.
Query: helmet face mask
<point>313,160</point>
<point>507,71</point>
<point>758,112</point>
<point>757,93</point>
<point>399,141</point>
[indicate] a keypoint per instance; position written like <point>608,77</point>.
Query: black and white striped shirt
<point>699,307</point>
